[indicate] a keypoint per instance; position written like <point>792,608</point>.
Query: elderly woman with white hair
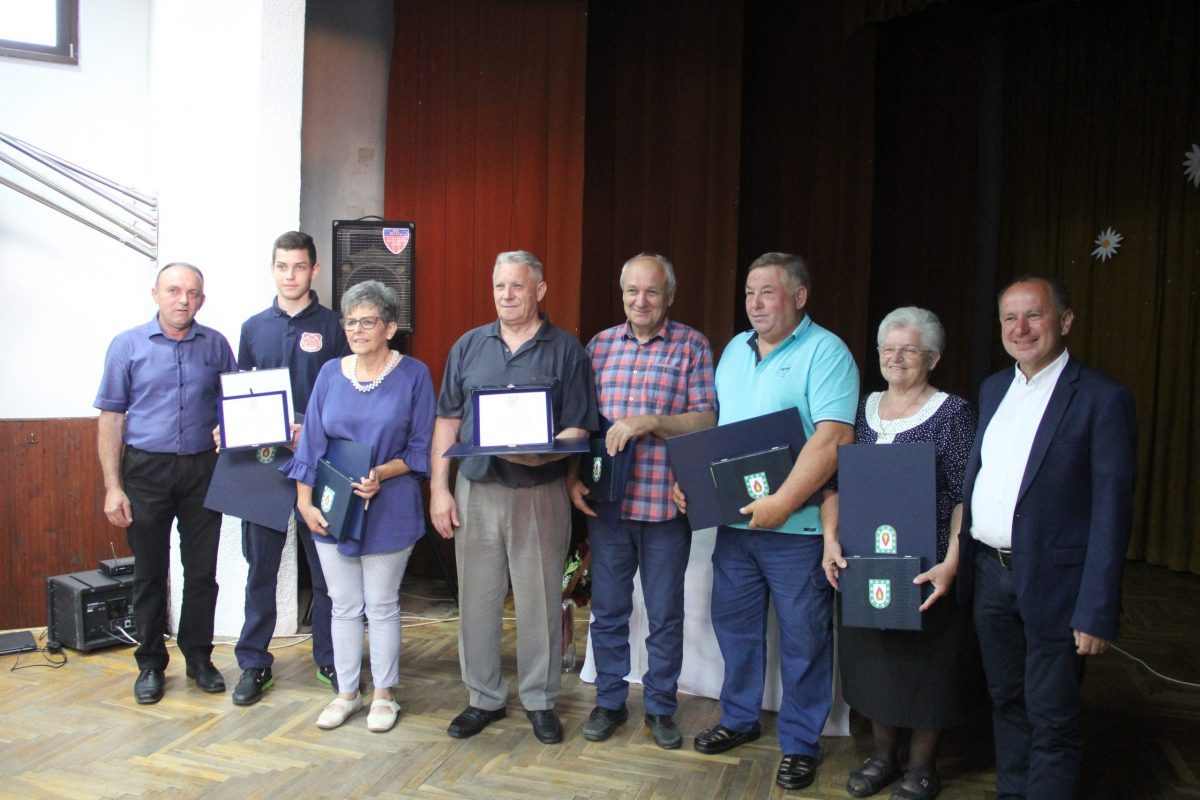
<point>923,681</point>
<point>380,397</point>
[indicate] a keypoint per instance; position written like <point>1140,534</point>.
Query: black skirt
<point>931,678</point>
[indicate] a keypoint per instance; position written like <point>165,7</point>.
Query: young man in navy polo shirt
<point>299,333</point>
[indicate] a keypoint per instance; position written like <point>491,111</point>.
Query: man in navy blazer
<point>1049,488</point>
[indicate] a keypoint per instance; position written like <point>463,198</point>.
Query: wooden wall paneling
<point>53,504</point>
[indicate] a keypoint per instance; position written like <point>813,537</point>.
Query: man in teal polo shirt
<point>786,361</point>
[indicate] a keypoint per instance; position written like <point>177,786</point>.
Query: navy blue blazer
<point>1074,510</point>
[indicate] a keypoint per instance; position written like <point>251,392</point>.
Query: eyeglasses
<point>907,351</point>
<point>366,323</point>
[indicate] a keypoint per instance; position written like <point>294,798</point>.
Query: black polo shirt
<point>553,356</point>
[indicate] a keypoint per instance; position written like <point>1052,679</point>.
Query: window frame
<point>64,51</point>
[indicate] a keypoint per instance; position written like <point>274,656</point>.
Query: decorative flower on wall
<point>1106,244</point>
<point>1191,164</point>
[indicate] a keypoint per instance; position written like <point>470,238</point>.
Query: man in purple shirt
<point>654,379</point>
<point>158,406</point>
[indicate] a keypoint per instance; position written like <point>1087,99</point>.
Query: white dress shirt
<point>1005,453</point>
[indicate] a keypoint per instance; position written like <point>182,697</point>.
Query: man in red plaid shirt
<point>654,379</point>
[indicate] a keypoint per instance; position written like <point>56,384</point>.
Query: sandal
<point>383,715</point>
<point>914,786</point>
<point>871,777</point>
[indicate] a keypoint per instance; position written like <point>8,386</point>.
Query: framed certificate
<point>514,419</point>
<point>259,381</point>
<point>254,420</point>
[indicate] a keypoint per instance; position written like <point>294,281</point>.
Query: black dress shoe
<point>665,731</point>
<point>208,678</point>
<point>148,688</point>
<point>546,726</point>
<point>719,739</point>
<point>250,686</point>
<point>472,720</point>
<point>871,777</point>
<point>917,787</point>
<point>796,771</point>
<point>602,722</point>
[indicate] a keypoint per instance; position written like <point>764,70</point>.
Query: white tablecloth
<point>703,668</point>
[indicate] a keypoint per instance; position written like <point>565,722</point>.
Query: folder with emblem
<point>692,454</point>
<point>887,500</point>
<point>878,592</point>
<point>606,476</point>
<point>247,484</point>
<point>345,462</point>
<point>512,419</point>
<point>743,479</point>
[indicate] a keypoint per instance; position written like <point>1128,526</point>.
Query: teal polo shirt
<point>811,370</point>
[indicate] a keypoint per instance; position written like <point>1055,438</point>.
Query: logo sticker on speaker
<point>311,342</point>
<point>885,539</point>
<point>756,485</point>
<point>327,500</point>
<point>597,467</point>
<point>880,591</point>
<point>265,455</point>
<point>396,239</point>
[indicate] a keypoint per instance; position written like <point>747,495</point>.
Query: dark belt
<point>1003,556</point>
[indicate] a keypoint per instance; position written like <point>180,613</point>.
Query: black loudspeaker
<point>90,610</point>
<point>375,251</point>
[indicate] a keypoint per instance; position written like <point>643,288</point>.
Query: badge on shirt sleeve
<point>885,540</point>
<point>756,485</point>
<point>881,592</point>
<point>327,500</point>
<point>310,342</point>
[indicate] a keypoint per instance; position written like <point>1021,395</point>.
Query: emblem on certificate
<point>327,500</point>
<point>885,540</point>
<point>880,592</point>
<point>757,485</point>
<point>265,455</point>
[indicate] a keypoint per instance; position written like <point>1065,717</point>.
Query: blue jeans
<point>263,549</point>
<point>751,568</point>
<point>661,549</point>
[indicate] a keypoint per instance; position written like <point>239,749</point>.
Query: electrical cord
<point>1152,671</point>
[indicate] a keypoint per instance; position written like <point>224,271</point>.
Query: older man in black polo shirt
<point>512,513</point>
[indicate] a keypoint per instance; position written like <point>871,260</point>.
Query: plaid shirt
<point>670,374</point>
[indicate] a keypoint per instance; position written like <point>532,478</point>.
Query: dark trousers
<point>263,550</point>
<point>661,549</point>
<point>751,568</point>
<point>163,487</point>
<point>1034,685</point>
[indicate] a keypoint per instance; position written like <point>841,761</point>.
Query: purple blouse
<point>396,417</point>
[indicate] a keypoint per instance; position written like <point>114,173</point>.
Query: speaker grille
<point>375,251</point>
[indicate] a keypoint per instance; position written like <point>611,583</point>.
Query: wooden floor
<point>76,732</point>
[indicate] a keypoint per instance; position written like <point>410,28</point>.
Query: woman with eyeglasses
<point>920,681</point>
<point>379,397</point>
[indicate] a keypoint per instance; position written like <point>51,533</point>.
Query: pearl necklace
<point>393,360</point>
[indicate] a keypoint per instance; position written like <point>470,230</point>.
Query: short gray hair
<point>195,270</point>
<point>524,258</point>
<point>667,266</point>
<point>375,295</point>
<point>795,271</point>
<point>925,323</point>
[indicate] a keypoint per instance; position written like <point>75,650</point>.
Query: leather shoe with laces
<point>546,726</point>
<point>665,731</point>
<point>472,720</point>
<point>602,722</point>
<point>208,678</point>
<point>719,739</point>
<point>148,688</point>
<point>914,786</point>
<point>250,686</point>
<point>796,771</point>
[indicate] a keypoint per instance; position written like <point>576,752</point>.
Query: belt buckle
<point>1005,557</point>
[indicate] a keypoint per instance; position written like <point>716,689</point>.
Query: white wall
<point>347,57</point>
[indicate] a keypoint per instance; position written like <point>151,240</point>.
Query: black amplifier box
<point>90,610</point>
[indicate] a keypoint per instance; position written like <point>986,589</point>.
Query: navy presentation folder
<point>352,461</point>
<point>333,496</point>
<point>878,592</point>
<point>743,479</point>
<point>247,484</point>
<point>887,500</point>
<point>692,455</point>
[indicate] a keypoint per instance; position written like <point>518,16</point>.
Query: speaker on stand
<point>371,249</point>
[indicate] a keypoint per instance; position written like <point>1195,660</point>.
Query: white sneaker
<point>383,715</point>
<point>339,711</point>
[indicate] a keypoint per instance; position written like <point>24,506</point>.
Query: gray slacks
<point>523,534</point>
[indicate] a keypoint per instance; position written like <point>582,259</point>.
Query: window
<point>43,29</point>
